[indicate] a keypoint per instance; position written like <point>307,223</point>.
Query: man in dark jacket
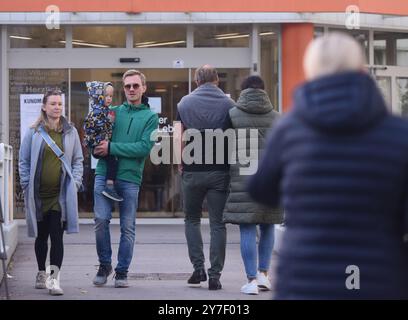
<point>205,108</point>
<point>338,165</point>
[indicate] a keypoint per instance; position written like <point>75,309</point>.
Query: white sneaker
<point>250,287</point>
<point>263,282</point>
<point>54,287</point>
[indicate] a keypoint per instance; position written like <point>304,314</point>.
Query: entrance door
<point>160,193</point>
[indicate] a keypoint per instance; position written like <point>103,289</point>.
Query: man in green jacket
<point>131,144</point>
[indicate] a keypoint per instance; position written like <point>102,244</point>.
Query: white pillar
<point>255,51</point>
<point>4,86</point>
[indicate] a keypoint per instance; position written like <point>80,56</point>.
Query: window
<point>222,36</point>
<point>270,62</point>
<point>160,36</point>
<point>98,37</point>
<point>29,82</point>
<point>36,37</point>
<point>318,32</point>
<point>391,49</point>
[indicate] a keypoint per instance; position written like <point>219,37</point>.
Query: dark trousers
<point>111,165</point>
<point>51,227</point>
<point>196,186</point>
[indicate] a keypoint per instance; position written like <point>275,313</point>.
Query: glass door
<point>385,86</point>
<point>393,82</point>
<point>402,90</point>
<point>160,192</point>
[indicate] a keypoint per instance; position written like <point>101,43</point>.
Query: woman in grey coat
<point>253,111</point>
<point>50,192</point>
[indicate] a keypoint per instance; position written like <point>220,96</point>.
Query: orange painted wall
<point>399,7</point>
<point>295,38</point>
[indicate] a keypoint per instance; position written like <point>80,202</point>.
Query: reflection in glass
<point>36,37</point>
<point>29,81</point>
<point>269,62</point>
<point>160,36</point>
<point>318,32</point>
<point>384,83</point>
<point>222,35</point>
<point>98,37</point>
<point>402,87</point>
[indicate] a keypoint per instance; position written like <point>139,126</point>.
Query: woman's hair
<point>334,53</point>
<point>254,82</point>
<point>43,119</point>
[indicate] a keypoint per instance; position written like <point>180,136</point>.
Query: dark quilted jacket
<point>338,164</point>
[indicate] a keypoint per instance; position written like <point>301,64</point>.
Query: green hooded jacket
<point>131,142</point>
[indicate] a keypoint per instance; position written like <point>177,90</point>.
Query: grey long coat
<point>29,165</point>
<point>253,111</point>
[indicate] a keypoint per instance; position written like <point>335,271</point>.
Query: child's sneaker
<point>110,193</point>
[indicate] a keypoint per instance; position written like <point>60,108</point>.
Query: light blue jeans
<point>103,214</point>
<point>249,250</point>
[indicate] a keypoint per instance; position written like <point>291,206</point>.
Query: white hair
<point>334,53</point>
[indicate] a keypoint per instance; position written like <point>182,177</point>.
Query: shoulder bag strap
<point>54,147</point>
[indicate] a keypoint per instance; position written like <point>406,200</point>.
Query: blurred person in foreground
<point>338,165</point>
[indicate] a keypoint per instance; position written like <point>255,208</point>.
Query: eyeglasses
<point>132,85</point>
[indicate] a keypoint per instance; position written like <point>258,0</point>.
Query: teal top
<point>131,142</point>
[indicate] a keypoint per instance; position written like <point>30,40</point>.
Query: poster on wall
<point>30,107</point>
<point>155,104</point>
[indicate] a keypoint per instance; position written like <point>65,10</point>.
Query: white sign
<point>30,108</point>
<point>178,63</point>
<point>155,104</point>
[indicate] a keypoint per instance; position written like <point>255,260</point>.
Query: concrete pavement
<point>159,269</point>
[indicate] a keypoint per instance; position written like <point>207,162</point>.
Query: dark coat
<point>338,164</point>
<point>253,111</point>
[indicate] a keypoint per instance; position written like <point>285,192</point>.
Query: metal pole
<point>3,255</point>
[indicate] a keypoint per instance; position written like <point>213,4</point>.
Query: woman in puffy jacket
<point>254,111</point>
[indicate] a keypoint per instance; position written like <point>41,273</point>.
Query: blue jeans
<point>103,214</point>
<point>249,248</point>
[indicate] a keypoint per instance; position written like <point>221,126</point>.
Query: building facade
<point>167,40</point>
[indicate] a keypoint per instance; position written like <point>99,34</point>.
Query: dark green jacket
<point>131,142</point>
<point>253,111</point>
